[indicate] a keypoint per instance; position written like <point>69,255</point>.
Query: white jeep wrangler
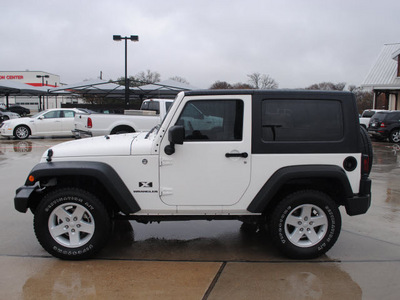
<point>286,159</point>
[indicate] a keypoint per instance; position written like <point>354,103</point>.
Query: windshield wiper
<point>150,132</point>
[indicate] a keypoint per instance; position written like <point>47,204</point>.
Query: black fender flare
<point>284,175</point>
<point>103,172</point>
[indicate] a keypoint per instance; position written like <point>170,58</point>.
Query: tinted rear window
<point>380,116</point>
<point>368,113</point>
<point>302,120</point>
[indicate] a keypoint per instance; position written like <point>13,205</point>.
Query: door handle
<point>243,154</point>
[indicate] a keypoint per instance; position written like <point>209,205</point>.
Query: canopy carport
<point>15,88</point>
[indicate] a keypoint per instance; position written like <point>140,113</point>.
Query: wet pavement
<point>200,259</point>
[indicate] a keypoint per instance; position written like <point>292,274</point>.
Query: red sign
<point>12,77</point>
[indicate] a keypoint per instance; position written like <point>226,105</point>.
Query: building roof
<point>383,74</point>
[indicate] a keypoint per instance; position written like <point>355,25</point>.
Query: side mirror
<point>176,135</point>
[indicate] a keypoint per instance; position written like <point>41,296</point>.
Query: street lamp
<point>133,38</point>
<point>40,97</point>
<point>43,77</point>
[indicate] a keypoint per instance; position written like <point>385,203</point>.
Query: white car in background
<point>51,122</point>
<point>7,115</point>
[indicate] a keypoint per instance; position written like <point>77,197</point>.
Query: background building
<point>36,79</point>
<point>384,78</point>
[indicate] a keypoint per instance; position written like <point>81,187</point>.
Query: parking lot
<point>200,259</point>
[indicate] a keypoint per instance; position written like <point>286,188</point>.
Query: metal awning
<point>9,87</point>
<point>164,89</point>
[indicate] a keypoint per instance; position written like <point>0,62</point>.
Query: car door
<point>67,122</point>
<point>48,124</point>
<point>212,166</point>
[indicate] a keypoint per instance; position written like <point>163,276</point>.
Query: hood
<point>111,145</point>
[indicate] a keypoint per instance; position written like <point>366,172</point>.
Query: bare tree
<point>179,79</point>
<point>255,80</point>
<point>327,86</point>
<point>148,76</point>
<point>218,85</point>
<point>224,85</point>
<point>262,81</point>
<point>241,86</point>
<point>364,98</point>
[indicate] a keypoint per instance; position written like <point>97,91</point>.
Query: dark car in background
<point>385,124</point>
<point>22,111</point>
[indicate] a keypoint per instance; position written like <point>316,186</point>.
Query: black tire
<point>394,136</point>
<point>22,132</point>
<point>305,224</point>
<point>367,146</point>
<point>72,224</point>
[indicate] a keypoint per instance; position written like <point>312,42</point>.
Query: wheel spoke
<point>312,236</point>
<point>74,238</point>
<point>296,236</point>
<point>318,221</point>
<point>306,212</point>
<point>61,213</point>
<point>86,227</point>
<point>293,220</point>
<point>78,213</point>
<point>58,230</point>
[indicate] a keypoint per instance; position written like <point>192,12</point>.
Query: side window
<point>52,114</point>
<point>302,120</point>
<point>168,105</point>
<point>69,114</point>
<point>212,120</point>
<point>394,116</point>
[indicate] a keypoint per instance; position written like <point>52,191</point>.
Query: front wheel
<point>21,132</point>
<point>72,224</point>
<point>394,136</point>
<point>305,224</point>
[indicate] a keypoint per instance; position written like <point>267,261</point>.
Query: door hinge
<point>166,191</point>
<point>165,161</point>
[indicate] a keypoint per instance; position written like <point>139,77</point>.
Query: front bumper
<point>22,195</point>
<point>7,132</point>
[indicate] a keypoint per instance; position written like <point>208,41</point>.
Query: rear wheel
<point>71,224</point>
<point>394,136</point>
<point>305,224</point>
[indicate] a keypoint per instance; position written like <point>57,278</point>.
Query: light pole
<point>43,77</point>
<point>133,38</point>
<point>40,97</point>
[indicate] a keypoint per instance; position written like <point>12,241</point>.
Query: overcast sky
<point>296,42</point>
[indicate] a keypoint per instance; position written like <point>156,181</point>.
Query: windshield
<point>169,108</point>
<point>37,114</point>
